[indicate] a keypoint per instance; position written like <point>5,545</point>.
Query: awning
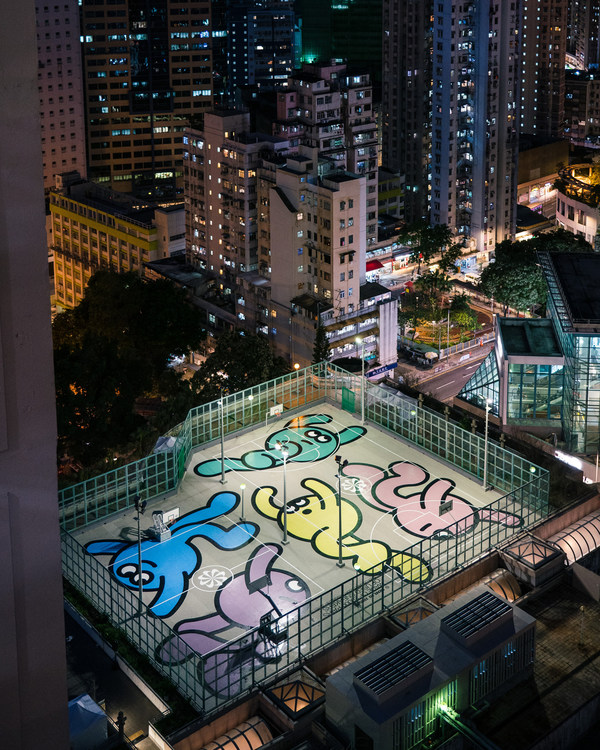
<point>374,265</point>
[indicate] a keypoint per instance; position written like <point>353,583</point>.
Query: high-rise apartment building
<point>221,163</point>
<point>583,34</point>
<point>406,102</point>
<point>33,681</point>
<point>327,108</point>
<point>60,86</point>
<point>261,39</point>
<point>450,113</point>
<point>543,49</point>
<point>148,70</point>
<point>474,126</point>
<point>280,232</point>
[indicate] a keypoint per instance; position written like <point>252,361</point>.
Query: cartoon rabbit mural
<point>166,567</point>
<point>260,589</point>
<point>314,518</point>
<point>418,512</point>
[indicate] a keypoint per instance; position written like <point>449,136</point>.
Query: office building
<point>33,664</point>
<point>348,31</point>
<point>147,74</point>
<point>60,86</point>
<point>406,106</point>
<point>543,48</point>
<point>94,228</point>
<point>261,39</point>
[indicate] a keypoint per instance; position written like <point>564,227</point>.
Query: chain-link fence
<point>211,681</point>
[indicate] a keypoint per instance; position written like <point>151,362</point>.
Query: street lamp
<point>284,450</point>
<point>485,443</point>
<point>140,506</point>
<point>222,425</point>
<point>242,488</point>
<point>341,464</point>
<point>362,381</point>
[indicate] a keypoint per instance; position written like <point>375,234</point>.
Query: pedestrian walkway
<point>90,670</point>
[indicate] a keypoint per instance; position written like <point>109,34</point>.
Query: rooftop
<point>579,277</point>
<point>566,672</point>
<point>534,338</point>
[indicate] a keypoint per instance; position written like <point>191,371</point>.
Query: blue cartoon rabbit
<point>166,567</point>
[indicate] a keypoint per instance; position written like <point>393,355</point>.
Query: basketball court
<point>258,534</point>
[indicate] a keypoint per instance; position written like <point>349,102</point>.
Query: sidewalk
<point>90,670</point>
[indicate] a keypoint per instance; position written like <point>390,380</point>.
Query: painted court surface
<point>217,574</point>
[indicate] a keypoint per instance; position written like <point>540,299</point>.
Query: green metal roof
<point>524,337</point>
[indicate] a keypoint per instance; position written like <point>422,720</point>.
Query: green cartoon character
<point>307,438</point>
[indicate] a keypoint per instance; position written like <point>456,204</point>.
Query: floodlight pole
<point>140,506</point>
<point>485,443</point>
<point>284,450</point>
<point>222,425</point>
<point>340,465</point>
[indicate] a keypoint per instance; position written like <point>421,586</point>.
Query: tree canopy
<point>427,241</point>
<point>321,345</point>
<point>240,360</point>
<point>515,279</point>
<point>111,349</point>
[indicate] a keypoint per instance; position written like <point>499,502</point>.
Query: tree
<point>462,314</point>
<point>111,349</point>
<point>95,393</point>
<point>432,288</point>
<point>425,241</point>
<point>321,345</point>
<point>515,279</point>
<point>240,360</point>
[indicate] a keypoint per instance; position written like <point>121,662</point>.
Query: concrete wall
<point>33,683</point>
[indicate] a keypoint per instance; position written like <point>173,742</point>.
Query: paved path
<point>90,670</point>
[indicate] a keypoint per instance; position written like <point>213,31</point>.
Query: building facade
<point>543,49</point>
<point>474,128</point>
<point>279,229</point>
<point>406,108</point>
<point>60,86</point>
<point>577,201</point>
<point>93,228</point>
<point>147,74</point>
<point>261,43</point>
<point>33,675</point>
<point>450,113</point>
<point>327,108</point>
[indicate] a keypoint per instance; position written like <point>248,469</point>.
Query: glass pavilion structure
<point>545,374</point>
